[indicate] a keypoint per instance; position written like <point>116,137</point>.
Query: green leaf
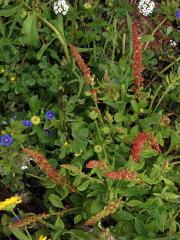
<point>19,234</point>
<point>83,186</point>
<point>55,201</point>
<point>147,38</point>
<point>169,30</point>
<point>135,203</point>
<point>2,28</point>
<point>42,50</point>
<point>81,235</point>
<point>134,132</point>
<point>96,206</point>
<point>129,22</point>
<point>63,192</point>
<point>118,117</point>
<point>10,11</point>
<point>175,140</point>
<point>154,119</point>
<point>77,219</point>
<point>41,135</point>
<point>123,215</point>
<point>4,220</point>
<point>77,181</point>
<point>147,153</point>
<point>140,227</point>
<point>93,115</point>
<point>173,227</point>
<point>58,23</point>
<point>34,104</point>
<point>59,223</point>
<point>30,30</point>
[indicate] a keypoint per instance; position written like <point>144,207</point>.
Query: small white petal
<point>24,167</point>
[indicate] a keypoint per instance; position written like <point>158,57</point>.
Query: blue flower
<point>15,219</point>
<point>6,140</point>
<point>26,123</point>
<point>178,13</point>
<point>50,115</point>
<point>47,131</point>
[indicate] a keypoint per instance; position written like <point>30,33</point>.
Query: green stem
<point>27,232</point>
<point>14,214</point>
<point>165,93</point>
<point>116,153</point>
<point>124,44</point>
<point>49,2</point>
<point>162,71</point>
<point>100,117</point>
<point>154,97</point>
<point>104,150</point>
<point>175,163</point>
<point>49,225</point>
<point>74,20</point>
<point>60,38</point>
<point>93,179</point>
<point>114,40</point>
<point>32,175</point>
<point>107,39</point>
<point>160,100</point>
<point>168,66</point>
<point>155,30</point>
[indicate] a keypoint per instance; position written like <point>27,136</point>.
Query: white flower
<point>60,7</point>
<point>146,7</point>
<point>173,43</point>
<point>24,167</point>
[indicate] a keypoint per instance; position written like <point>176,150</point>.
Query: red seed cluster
<point>46,167</point>
<point>121,175</point>
<point>81,64</point>
<point>28,220</point>
<point>154,144</point>
<point>139,142</point>
<point>96,164</point>
<point>106,211</point>
<point>137,60</point>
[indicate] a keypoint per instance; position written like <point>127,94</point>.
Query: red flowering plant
<point>89,120</point>
<point>137,60</point>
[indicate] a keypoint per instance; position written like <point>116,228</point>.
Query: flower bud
<point>87,6</point>
<point>97,148</point>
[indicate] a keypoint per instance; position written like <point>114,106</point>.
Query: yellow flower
<point>66,144</point>
<point>42,237</point>
<point>3,132</point>
<point>78,154</point>
<point>2,70</point>
<point>12,78</point>
<point>10,202</point>
<point>35,120</point>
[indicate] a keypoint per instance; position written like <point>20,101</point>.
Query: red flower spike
<point>47,168</point>
<point>137,60</point>
<point>139,142</point>
<point>154,144</point>
<point>96,164</point>
<point>82,65</point>
<point>137,145</point>
<point>121,175</point>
